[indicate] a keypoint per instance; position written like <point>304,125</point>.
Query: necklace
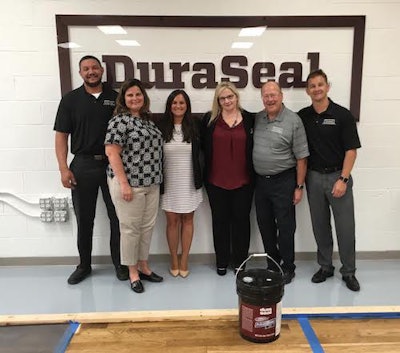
<point>234,122</point>
<point>178,129</point>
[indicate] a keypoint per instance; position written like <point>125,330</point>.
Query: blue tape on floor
<point>66,338</point>
<point>310,334</point>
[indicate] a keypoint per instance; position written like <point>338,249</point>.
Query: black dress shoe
<point>79,274</point>
<point>321,276</point>
<point>288,276</point>
<point>152,277</point>
<point>352,283</point>
<point>137,286</point>
<point>122,272</point>
<point>221,271</point>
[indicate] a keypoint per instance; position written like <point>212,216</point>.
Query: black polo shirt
<point>329,134</point>
<point>86,119</point>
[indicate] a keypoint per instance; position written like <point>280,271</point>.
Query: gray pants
<point>321,202</point>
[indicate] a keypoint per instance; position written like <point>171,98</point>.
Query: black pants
<point>276,216</point>
<point>230,211</point>
<point>90,174</point>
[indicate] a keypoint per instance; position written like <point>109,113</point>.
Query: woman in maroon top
<point>227,137</point>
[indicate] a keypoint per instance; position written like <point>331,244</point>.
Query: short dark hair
<point>316,73</point>
<point>121,107</point>
<point>87,57</point>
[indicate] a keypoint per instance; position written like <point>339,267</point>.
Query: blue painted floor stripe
<point>310,334</point>
<point>66,338</point>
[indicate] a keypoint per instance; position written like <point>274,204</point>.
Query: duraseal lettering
<point>234,68</point>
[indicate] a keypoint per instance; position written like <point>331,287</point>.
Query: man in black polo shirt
<point>333,141</point>
<point>84,114</point>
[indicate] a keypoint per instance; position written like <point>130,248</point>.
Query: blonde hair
<point>216,107</point>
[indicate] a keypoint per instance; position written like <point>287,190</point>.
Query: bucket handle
<point>258,255</point>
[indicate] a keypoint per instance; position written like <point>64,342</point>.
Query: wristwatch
<point>345,180</point>
<point>300,186</point>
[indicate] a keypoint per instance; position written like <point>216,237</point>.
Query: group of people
<point>140,163</point>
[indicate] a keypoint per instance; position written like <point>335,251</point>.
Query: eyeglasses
<point>229,98</point>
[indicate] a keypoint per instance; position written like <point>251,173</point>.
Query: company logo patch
<point>109,103</point>
<point>329,122</point>
<point>277,129</point>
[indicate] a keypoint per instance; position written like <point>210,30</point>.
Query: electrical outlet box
<point>46,203</point>
<point>46,216</point>
<point>61,216</point>
<point>60,203</point>
<point>70,203</point>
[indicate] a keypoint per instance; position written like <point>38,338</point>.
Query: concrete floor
<point>44,289</point>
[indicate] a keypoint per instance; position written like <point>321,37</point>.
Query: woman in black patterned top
<point>134,149</point>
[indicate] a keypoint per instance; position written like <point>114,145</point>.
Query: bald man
<point>280,160</point>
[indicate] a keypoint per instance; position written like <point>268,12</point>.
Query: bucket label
<point>260,322</point>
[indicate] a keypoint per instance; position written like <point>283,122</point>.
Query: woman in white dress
<point>181,190</point>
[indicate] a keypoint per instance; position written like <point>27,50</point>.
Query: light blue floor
<point>44,289</point>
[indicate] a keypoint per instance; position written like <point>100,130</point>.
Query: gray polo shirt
<point>279,143</point>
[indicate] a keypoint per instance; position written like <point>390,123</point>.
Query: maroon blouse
<point>229,167</point>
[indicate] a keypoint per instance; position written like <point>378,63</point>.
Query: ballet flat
<point>137,286</point>
<point>152,277</point>
<point>183,273</point>
<point>174,273</point>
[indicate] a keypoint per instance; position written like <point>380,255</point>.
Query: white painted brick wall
<point>30,92</point>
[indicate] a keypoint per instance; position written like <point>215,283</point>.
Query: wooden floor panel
<point>358,335</point>
<point>222,336</point>
<point>212,336</point>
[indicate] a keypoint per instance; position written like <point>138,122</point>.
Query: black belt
<point>97,157</point>
<point>278,175</point>
<point>326,170</point>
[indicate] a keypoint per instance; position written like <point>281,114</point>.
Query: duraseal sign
<point>195,53</point>
<point>199,75</point>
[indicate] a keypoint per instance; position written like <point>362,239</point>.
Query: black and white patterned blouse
<point>141,154</point>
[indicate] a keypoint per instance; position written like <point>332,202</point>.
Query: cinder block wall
<point>30,92</point>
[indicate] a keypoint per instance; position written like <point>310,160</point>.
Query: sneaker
<point>221,271</point>
<point>352,283</point>
<point>79,275</point>
<point>122,272</point>
<point>288,276</point>
<point>321,276</point>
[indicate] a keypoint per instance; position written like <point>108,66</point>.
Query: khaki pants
<point>136,220</point>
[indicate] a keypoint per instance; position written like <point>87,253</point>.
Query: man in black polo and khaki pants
<point>84,114</point>
<point>333,142</point>
<point>280,160</point>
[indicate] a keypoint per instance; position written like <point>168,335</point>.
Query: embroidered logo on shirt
<point>329,122</point>
<point>277,129</point>
<point>109,102</point>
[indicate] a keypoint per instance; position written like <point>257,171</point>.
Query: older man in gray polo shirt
<point>280,160</point>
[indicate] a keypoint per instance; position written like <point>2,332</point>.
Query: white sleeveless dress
<point>180,195</point>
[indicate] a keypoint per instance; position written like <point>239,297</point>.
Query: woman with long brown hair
<point>181,191</point>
